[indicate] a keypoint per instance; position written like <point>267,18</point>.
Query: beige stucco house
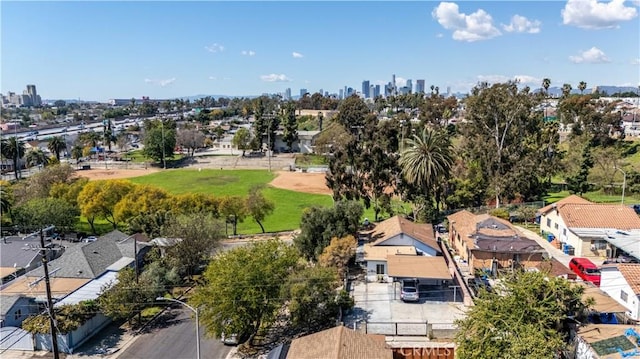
<point>587,226</point>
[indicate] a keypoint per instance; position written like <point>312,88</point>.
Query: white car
<point>90,239</point>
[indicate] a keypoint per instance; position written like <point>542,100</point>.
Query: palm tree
<point>582,86</point>
<point>546,82</point>
<point>426,159</point>
<point>566,90</point>
<point>56,145</point>
<point>14,150</point>
<point>36,157</point>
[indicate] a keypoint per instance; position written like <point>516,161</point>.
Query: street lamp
<point>624,182</point>
<point>195,310</point>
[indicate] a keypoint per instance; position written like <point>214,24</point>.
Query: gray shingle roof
<point>12,251</point>
<point>89,260</point>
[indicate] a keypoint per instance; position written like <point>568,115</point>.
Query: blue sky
<point>121,49</point>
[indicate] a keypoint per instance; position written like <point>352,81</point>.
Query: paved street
<point>172,335</point>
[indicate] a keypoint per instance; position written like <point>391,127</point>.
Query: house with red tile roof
<point>586,226</point>
<point>622,282</point>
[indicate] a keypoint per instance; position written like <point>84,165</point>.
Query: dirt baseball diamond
<point>294,181</point>
<point>302,182</point>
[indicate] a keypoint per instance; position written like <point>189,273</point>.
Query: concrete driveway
<point>384,312</point>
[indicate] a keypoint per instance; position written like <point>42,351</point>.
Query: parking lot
<point>378,309</point>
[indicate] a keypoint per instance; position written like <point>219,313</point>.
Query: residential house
<point>586,226</point>
<point>112,251</point>
<point>397,236</point>
<point>555,268</point>
<point>335,343</point>
<point>14,309</point>
<point>490,243</point>
<point>21,255</point>
<point>608,341</point>
<point>622,282</point>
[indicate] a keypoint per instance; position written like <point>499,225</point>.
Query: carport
<point>431,273</point>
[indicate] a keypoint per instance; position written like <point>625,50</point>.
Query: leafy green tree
<point>258,206</point>
<point>56,145</point>
<point>242,140</point>
<point>319,225</point>
<point>159,139</point>
<point>141,199</point>
<point>290,124</point>
<point>241,290</point>
<point>68,191</point>
<point>579,183</point>
<point>6,198</point>
<point>312,298</point>
<point>40,212</point>
<point>502,133</point>
<point>13,149</point>
<point>39,184</point>
<point>98,199</point>
<point>234,210</point>
<point>527,318</point>
<point>338,253</point>
<point>582,86</point>
<point>69,317</point>
<point>127,297</point>
<point>199,235</point>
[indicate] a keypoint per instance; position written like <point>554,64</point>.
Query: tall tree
<point>234,210</point>
<point>98,199</point>
<point>56,145</point>
<point>579,183</point>
<point>582,86</point>
<point>13,149</point>
<point>566,90</point>
<point>502,132</point>
<point>528,318</point>
<point>258,206</point>
<point>41,212</point>
<point>546,82</point>
<point>426,161</point>
<point>191,139</point>
<point>242,140</point>
<point>36,157</point>
<point>338,254</point>
<point>241,290</point>
<point>159,139</point>
<point>290,124</point>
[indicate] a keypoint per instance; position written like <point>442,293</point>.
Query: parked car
<point>91,239</point>
<point>409,294</point>
<point>586,270</point>
<point>476,284</point>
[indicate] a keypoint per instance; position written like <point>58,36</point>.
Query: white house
<point>585,225</point>
<point>398,236</point>
<point>622,283</point>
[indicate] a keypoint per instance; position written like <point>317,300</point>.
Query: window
<point>556,226</point>
<point>623,295</point>
<point>379,268</point>
<point>564,231</point>
<point>598,244</point>
<point>18,314</point>
<point>549,222</point>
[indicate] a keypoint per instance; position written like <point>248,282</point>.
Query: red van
<point>586,270</point>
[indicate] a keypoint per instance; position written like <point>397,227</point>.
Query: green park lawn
<point>595,196</point>
<point>288,204</point>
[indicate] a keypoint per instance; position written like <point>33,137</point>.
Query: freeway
<point>172,335</point>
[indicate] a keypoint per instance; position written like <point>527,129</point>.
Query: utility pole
<point>52,315</point>
<point>164,160</point>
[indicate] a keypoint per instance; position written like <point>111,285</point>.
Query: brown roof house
<point>335,343</point>
<point>588,229</point>
<point>622,282</point>
<point>491,243</point>
<point>404,249</point>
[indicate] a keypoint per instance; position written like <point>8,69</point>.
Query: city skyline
<point>103,50</point>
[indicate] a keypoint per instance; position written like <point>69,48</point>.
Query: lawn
<point>288,204</point>
<point>595,196</point>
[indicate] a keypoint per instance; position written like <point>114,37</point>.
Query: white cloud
<point>522,24</point>
<point>635,61</point>
<point>401,81</point>
<point>297,55</point>
<point>275,78</point>
<point>213,78</point>
<point>248,52</point>
<point>591,14</point>
<point>439,35</point>
<point>474,27</point>
<point>592,56</point>
<point>214,48</point>
<point>161,83</point>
